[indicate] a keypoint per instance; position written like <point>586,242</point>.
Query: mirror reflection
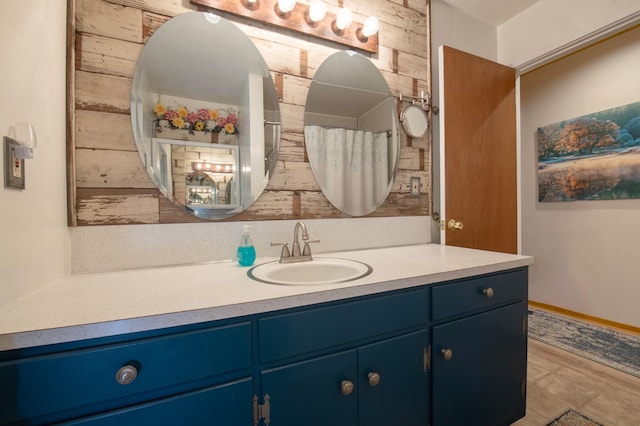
<point>205,115</point>
<point>351,133</point>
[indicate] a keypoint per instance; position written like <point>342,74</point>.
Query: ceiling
<point>492,12</point>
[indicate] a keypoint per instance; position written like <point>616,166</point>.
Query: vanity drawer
<point>310,330</point>
<point>223,405</point>
<point>51,383</point>
<point>457,298</point>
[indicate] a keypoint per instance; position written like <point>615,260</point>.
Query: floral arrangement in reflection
<point>224,121</point>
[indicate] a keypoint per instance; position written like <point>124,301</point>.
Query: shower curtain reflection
<point>354,166</point>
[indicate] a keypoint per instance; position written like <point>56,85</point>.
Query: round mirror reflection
<point>205,115</point>
<point>351,133</point>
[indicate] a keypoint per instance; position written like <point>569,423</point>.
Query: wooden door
<point>479,145</point>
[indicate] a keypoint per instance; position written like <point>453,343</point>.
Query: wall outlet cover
<point>13,167</point>
<point>415,186</point>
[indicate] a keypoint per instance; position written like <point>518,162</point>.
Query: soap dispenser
<point>246,252</point>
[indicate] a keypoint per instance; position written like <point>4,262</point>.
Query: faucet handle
<point>306,251</point>
<point>284,253</point>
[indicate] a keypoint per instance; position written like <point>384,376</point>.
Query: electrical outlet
<point>415,186</point>
<point>13,167</point>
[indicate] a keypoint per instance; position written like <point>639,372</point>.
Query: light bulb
<point>286,6</point>
<point>371,26</point>
<point>343,18</point>
<point>317,10</point>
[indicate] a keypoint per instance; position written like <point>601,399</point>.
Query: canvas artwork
<point>593,157</point>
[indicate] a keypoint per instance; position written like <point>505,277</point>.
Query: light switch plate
<point>13,167</point>
<point>415,186</point>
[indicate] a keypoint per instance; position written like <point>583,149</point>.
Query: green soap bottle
<point>246,252</point>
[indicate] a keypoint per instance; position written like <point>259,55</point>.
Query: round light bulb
<point>286,6</point>
<point>317,10</point>
<point>343,18</point>
<point>371,26</point>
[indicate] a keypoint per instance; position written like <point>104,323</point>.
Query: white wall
<point>586,251</point>
<point>34,241</point>
<point>551,25</point>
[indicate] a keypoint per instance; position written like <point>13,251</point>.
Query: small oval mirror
<point>351,133</point>
<point>414,121</point>
<point>205,115</point>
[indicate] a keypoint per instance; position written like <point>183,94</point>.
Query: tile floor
<point>559,380</point>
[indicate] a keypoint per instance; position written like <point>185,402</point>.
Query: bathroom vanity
<point>434,335</point>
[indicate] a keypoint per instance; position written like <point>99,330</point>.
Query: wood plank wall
<point>107,183</point>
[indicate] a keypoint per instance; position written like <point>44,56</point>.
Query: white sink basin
<point>320,270</point>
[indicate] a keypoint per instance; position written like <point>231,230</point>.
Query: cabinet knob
<point>488,292</point>
<point>126,374</point>
<point>447,354</point>
<point>374,379</point>
<point>346,387</point>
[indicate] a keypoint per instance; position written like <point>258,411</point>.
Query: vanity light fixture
<point>344,18</point>
<point>370,27</point>
<point>212,167</point>
<point>317,11</point>
<point>286,6</point>
<point>309,17</point>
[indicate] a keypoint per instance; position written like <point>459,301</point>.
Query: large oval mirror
<point>351,133</point>
<point>205,115</point>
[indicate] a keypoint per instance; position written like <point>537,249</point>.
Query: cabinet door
<point>310,393</point>
<point>223,405</point>
<point>401,396</point>
<point>483,382</point>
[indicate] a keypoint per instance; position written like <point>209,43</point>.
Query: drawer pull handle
<point>126,374</point>
<point>488,292</point>
<point>374,379</point>
<point>346,387</point>
<point>447,354</point>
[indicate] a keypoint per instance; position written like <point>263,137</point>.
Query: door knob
<point>455,225</point>
<point>346,387</point>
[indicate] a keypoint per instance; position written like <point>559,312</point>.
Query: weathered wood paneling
<point>99,168</point>
<point>104,130</point>
<point>117,206</point>
<point>105,55</point>
<point>111,185</point>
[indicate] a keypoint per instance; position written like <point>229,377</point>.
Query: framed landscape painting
<point>593,157</point>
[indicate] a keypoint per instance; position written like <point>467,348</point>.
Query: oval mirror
<point>205,115</point>
<point>414,121</point>
<point>351,133</point>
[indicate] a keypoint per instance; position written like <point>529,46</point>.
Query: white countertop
<point>104,304</point>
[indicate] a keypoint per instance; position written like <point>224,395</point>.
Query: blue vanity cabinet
<point>452,353</point>
<point>479,350</point>
<point>354,363</point>
<point>97,378</point>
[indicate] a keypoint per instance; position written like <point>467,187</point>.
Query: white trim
<point>443,211</point>
<point>581,42</point>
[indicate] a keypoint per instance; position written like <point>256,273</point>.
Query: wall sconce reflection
<point>205,166</point>
<point>309,17</point>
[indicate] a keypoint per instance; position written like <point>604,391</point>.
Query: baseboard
<point>595,320</point>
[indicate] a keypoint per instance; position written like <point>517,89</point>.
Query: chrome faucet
<point>296,255</point>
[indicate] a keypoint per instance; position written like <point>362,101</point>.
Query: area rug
<point>603,345</point>
<point>572,418</point>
